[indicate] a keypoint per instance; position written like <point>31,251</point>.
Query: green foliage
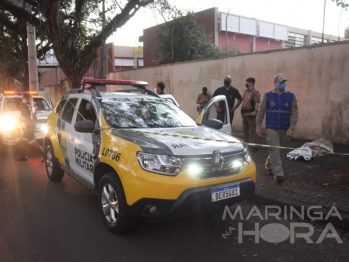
<point>183,39</point>
<point>74,27</point>
<point>341,3</point>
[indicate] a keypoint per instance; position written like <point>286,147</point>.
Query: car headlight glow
<point>194,169</point>
<point>44,128</point>
<point>247,154</point>
<point>236,164</point>
<point>8,124</point>
<point>161,164</point>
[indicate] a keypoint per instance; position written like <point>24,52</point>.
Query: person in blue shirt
<point>279,107</point>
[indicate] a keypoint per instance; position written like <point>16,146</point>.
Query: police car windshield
<point>143,113</point>
<point>41,104</point>
<point>15,104</point>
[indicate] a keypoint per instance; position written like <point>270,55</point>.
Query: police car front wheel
<point>113,204</point>
<point>53,170</point>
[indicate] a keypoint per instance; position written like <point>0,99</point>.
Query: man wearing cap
<point>203,99</point>
<point>280,108</point>
<point>231,94</point>
<point>249,110</point>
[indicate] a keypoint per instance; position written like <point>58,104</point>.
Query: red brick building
<point>248,34</point>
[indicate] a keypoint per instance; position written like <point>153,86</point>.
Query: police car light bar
<point>11,92</point>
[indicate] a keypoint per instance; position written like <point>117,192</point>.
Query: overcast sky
<point>305,14</point>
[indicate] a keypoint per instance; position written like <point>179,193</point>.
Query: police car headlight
<point>7,124</point>
<point>247,154</point>
<point>43,128</point>
<point>161,164</point>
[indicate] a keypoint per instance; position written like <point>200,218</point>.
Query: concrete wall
<point>318,75</point>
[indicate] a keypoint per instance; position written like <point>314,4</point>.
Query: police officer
<point>231,94</point>
<point>159,89</point>
<point>249,110</point>
<point>28,116</point>
<point>203,99</point>
<point>280,108</point>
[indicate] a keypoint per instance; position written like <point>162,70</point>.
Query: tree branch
<point>20,13</point>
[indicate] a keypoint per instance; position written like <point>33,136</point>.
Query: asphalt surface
<point>42,220</point>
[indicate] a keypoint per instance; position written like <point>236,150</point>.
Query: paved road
<point>46,221</point>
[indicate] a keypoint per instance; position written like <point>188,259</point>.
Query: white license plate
<point>39,136</point>
<point>225,192</point>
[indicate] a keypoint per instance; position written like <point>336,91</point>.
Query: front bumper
<point>190,201</point>
<point>12,138</point>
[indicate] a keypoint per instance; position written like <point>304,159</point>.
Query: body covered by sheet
<point>319,147</point>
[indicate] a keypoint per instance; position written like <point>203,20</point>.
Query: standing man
<point>28,116</point>
<point>231,94</point>
<point>249,110</point>
<point>280,108</point>
<point>159,89</point>
<point>203,99</point>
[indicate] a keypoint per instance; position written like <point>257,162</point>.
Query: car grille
<point>41,120</point>
<point>207,171</point>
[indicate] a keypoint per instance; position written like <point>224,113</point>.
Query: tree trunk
<point>74,80</point>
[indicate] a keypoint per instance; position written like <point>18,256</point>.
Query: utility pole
<point>32,62</point>
<point>103,72</point>
<point>226,31</point>
<point>323,22</point>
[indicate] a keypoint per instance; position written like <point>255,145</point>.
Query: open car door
<point>210,111</point>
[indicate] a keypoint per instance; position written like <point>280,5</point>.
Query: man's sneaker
<point>269,172</point>
<point>279,179</point>
<point>23,158</point>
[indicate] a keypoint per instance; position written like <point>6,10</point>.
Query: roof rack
<point>104,82</point>
<point>142,89</point>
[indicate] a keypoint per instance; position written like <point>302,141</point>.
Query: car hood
<point>180,141</point>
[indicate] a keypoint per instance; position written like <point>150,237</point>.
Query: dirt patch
<point>329,171</point>
<point>322,176</point>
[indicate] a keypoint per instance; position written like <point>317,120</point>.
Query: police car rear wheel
<point>113,204</point>
<point>54,172</point>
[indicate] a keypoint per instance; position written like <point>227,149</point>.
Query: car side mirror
<point>84,126</point>
<point>214,123</point>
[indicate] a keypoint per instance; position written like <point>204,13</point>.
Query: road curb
<point>266,198</point>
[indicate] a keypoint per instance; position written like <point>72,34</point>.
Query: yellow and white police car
<point>11,129</point>
<point>142,155</point>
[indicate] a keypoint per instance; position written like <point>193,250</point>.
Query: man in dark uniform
<point>231,94</point>
<point>160,88</point>
<point>28,116</point>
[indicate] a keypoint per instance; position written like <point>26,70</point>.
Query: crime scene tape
<point>226,141</point>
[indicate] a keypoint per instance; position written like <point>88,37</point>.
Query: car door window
<point>211,112</point>
<point>68,111</point>
<point>59,107</point>
<point>86,111</point>
<point>41,104</point>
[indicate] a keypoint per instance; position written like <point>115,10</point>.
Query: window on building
<point>124,62</point>
<point>295,40</point>
<point>316,40</point>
